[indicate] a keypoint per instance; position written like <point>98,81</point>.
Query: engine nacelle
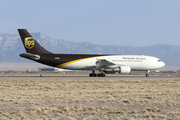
<point>125,69</point>
<point>122,69</point>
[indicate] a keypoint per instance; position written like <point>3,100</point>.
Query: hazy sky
<point>106,22</point>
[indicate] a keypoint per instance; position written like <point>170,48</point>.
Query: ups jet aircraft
<point>105,64</point>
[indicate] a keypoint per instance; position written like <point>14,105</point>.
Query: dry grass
<point>89,99</point>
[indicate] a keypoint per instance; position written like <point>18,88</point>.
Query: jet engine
<point>121,69</point>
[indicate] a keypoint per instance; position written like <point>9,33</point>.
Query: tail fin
<point>30,44</point>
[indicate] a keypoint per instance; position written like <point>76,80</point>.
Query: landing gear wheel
<point>101,75</point>
<point>92,75</point>
<point>147,75</point>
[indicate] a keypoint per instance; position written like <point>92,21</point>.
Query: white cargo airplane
<point>108,64</point>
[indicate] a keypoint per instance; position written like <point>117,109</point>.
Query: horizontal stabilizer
<point>30,56</point>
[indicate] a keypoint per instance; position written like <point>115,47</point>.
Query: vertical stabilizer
<point>30,43</point>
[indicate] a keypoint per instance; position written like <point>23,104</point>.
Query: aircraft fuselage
<point>88,61</point>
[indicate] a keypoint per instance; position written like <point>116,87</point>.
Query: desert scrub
<point>126,101</point>
<point>56,97</point>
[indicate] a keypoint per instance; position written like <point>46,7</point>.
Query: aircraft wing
<point>103,63</point>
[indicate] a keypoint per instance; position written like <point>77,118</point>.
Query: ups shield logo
<point>29,42</point>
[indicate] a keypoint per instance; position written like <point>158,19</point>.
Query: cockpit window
<point>159,60</point>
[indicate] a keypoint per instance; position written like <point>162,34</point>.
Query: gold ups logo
<point>29,42</point>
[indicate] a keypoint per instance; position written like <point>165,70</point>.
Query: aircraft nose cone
<point>163,64</point>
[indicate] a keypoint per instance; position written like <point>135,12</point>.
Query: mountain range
<point>11,46</point>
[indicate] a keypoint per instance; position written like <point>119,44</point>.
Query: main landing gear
<point>93,74</point>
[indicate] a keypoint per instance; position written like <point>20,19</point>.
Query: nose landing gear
<point>147,73</point>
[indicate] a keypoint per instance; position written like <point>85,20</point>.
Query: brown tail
<point>30,43</point>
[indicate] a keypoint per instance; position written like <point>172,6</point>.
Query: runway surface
<point>91,78</point>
